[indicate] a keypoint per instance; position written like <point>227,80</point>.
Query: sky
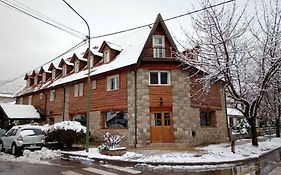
<point>27,43</point>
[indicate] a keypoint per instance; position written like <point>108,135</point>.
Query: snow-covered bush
<point>66,133</point>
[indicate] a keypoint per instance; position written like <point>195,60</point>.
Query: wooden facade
<point>113,92</point>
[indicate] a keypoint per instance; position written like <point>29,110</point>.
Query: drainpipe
<point>135,106</point>
<point>63,106</point>
<point>45,105</point>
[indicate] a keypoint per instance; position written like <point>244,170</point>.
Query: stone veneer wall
<point>186,119</point>
<point>143,113</point>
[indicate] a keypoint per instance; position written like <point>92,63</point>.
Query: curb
<point>67,156</point>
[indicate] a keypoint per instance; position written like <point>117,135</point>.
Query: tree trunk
<point>254,131</point>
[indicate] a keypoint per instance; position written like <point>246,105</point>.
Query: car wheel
<point>15,150</point>
<point>1,147</point>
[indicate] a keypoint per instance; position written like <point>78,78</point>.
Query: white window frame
<point>41,96</point>
<point>28,82</point>
<point>76,66</point>
<point>94,84</point>
<point>159,77</point>
<point>76,90</point>
<point>115,80</point>
<point>81,90</point>
<point>106,56</point>
<point>92,62</point>
<point>52,95</point>
<point>21,100</point>
<point>157,47</point>
<point>44,77</point>
<point>64,70</point>
<point>35,79</point>
<point>53,73</point>
<point>29,100</point>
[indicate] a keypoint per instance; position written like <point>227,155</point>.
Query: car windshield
<point>31,132</point>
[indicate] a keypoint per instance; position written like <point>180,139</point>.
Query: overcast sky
<point>26,43</point>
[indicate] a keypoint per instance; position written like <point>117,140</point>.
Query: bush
<point>66,133</point>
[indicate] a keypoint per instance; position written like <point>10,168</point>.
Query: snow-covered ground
<point>212,153</point>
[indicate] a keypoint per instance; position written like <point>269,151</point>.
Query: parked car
<point>2,132</point>
<point>23,137</point>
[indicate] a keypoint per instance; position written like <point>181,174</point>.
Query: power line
<point>30,10</point>
<point>76,46</point>
<point>168,19</point>
<point>37,18</point>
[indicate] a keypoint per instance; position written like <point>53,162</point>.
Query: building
<point>138,90</point>
<point>7,98</point>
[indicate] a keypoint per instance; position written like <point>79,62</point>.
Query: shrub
<point>66,133</point>
<point>112,141</point>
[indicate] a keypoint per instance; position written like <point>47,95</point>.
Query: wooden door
<point>161,127</point>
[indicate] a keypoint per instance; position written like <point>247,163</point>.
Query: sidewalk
<point>215,154</point>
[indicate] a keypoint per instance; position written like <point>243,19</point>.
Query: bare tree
<point>243,51</point>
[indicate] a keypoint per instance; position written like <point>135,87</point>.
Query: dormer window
<point>53,73</point>
<point>76,66</point>
<point>91,62</point>
<point>44,77</point>
<point>28,82</point>
<point>64,70</point>
<point>35,80</point>
<point>106,57</point>
<point>158,42</point>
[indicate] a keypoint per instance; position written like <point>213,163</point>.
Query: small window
<point>21,100</point>
<point>207,118</point>
<point>106,57</point>
<point>64,70</point>
<point>44,77</point>
<point>116,119</point>
<point>113,83</point>
<point>159,78</point>
<point>35,80</point>
<point>76,66</point>
<point>94,84</point>
<point>52,95</point>
<point>91,62</point>
<point>78,90</point>
<point>53,73</point>
<point>156,119</point>
<point>158,46</point>
<point>41,95</point>
<point>29,100</point>
<point>28,82</point>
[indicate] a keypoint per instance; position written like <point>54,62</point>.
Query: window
<point>113,83</point>
<point>53,73</point>
<point>28,82</point>
<point>158,42</point>
<point>21,100</point>
<point>207,118</point>
<point>117,119</point>
<point>76,66</point>
<point>159,78</point>
<point>78,90</point>
<point>44,77</point>
<point>64,70</point>
<point>156,119</point>
<point>91,62</point>
<point>41,96</point>
<point>94,84</point>
<point>106,56</point>
<point>35,80</point>
<point>52,95</point>
<point>29,100</point>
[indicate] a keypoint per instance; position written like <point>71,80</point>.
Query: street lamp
<point>89,80</point>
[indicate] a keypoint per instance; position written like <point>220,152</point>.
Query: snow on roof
<point>7,95</point>
<point>15,111</point>
<point>132,45</point>
<point>234,112</point>
<point>113,46</point>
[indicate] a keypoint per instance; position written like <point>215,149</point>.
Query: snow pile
<point>36,157</point>
<point>218,153</point>
<point>68,125</point>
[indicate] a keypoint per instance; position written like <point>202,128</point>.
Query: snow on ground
<point>212,153</point>
<point>34,157</point>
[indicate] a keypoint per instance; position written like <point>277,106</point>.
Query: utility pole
<point>88,78</point>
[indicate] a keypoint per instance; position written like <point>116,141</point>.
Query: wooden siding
<point>200,99</point>
<point>157,92</point>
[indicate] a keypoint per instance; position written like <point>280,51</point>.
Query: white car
<point>23,137</point>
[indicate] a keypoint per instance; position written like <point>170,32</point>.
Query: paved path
<point>276,171</point>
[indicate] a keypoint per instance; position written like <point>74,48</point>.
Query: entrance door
<point>161,127</point>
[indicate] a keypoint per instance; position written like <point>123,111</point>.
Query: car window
<point>9,132</point>
<point>14,132</point>
<point>31,131</point>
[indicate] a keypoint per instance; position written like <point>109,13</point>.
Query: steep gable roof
<point>110,45</point>
<point>42,70</point>
<point>159,21</point>
<point>52,65</point>
<point>63,61</point>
